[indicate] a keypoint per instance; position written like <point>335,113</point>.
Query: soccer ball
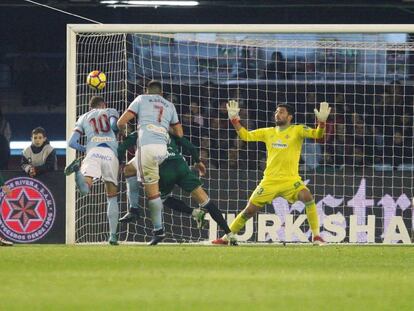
<point>96,79</point>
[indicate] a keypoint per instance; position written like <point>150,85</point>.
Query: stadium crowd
<point>376,131</point>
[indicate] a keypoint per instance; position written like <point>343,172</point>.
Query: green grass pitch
<point>182,277</point>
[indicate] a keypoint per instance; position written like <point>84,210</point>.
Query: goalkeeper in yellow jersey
<point>281,176</point>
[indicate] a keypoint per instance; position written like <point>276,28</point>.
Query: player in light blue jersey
<point>155,116</point>
<point>99,127</point>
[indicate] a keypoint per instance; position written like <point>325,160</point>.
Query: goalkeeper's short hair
<point>289,108</point>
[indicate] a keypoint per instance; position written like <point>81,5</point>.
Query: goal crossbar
<point>241,28</point>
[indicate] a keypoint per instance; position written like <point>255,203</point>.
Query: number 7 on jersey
<point>160,109</point>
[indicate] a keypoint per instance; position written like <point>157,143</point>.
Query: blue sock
<point>132,191</point>
<point>113,214</point>
<point>81,183</point>
<point>155,207</point>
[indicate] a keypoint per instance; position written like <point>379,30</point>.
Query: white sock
<point>155,207</point>
<point>81,183</point>
<point>113,214</point>
<point>132,191</point>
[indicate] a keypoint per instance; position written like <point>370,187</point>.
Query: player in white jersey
<point>155,115</point>
<point>98,125</point>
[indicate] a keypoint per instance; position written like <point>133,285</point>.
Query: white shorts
<point>148,158</point>
<point>101,162</point>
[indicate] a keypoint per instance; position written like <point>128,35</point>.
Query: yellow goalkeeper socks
<point>239,222</point>
<point>312,214</point>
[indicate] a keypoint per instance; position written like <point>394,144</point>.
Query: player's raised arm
<point>321,115</point>
<point>129,114</point>
<point>113,120</point>
<point>175,124</point>
<point>195,156</point>
<point>233,112</point>
<point>124,119</point>
<point>189,148</point>
<point>127,142</point>
<point>76,135</point>
<point>74,141</point>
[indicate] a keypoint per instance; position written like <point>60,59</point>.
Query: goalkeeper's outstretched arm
<point>321,115</point>
<point>233,111</point>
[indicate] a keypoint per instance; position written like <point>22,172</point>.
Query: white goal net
<point>361,174</point>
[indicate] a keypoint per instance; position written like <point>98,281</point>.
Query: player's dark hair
<point>39,130</point>
<point>154,87</point>
<point>96,101</point>
<point>289,108</point>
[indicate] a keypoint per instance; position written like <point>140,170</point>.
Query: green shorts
<point>176,172</point>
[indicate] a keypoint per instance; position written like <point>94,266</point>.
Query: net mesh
<point>360,173</point>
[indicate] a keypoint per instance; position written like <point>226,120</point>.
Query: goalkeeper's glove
<point>233,110</point>
<point>323,113</point>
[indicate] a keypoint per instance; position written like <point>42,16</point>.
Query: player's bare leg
<point>312,213</point>
<point>170,202</point>
<point>89,181</point>
<point>84,183</point>
<point>152,192</point>
<point>112,211</point>
<point>201,197</point>
<point>239,222</point>
<point>197,213</point>
<point>132,193</point>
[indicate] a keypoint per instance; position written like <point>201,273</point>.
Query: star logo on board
<point>23,209</point>
<point>28,212</point>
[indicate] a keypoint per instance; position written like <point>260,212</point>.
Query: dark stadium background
<point>29,32</point>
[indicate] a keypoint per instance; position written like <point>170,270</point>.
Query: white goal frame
<point>73,29</point>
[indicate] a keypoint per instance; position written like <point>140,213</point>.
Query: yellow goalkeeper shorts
<point>269,189</point>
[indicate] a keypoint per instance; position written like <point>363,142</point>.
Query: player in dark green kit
<point>7,191</point>
<point>174,171</point>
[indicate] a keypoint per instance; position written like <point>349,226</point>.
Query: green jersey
<point>173,147</point>
<point>174,170</point>
<point>1,181</point>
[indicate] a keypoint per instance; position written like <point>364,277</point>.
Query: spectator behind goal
<point>39,157</point>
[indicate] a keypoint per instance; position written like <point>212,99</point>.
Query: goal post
<point>70,125</point>
<point>202,66</point>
